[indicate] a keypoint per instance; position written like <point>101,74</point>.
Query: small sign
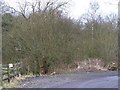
<point>10,65</point>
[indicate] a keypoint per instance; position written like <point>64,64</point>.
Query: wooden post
<point>8,73</point>
<point>17,66</point>
<point>14,70</point>
<point>20,67</point>
<point>1,83</point>
<point>17,69</point>
<point>1,76</point>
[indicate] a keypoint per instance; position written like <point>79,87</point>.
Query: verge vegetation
<point>47,40</point>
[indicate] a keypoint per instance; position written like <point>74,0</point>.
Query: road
<point>73,80</point>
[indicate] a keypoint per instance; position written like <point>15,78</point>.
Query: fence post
<point>14,70</point>
<point>8,73</point>
<point>1,76</point>
<point>20,70</point>
<point>17,67</point>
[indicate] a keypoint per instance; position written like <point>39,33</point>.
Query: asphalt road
<point>73,80</point>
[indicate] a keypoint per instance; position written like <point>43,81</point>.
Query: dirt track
<point>73,80</point>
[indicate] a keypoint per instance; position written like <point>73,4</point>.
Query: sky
<point>79,7</point>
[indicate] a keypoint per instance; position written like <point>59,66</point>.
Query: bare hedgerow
<point>46,35</point>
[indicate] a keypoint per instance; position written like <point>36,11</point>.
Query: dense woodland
<point>48,36</point>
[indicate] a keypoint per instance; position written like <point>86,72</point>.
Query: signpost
<point>10,65</point>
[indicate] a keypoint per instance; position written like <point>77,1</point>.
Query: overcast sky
<point>79,7</point>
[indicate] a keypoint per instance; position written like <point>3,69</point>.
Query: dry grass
<point>85,65</point>
<point>14,82</point>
